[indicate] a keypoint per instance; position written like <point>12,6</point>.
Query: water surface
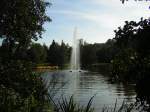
<point>83,85</point>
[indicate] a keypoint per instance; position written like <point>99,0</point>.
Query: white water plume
<point>75,56</point>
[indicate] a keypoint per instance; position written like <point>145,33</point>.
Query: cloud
<point>100,19</point>
<point>112,14</point>
<point>97,18</point>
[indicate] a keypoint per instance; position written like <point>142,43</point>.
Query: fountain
<point>75,56</point>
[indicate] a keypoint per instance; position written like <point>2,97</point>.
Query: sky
<point>95,20</point>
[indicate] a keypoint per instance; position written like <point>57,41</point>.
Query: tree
<point>58,54</point>
<point>54,53</point>
<point>37,53</point>
<point>132,61</point>
<point>88,55</point>
<point>20,22</point>
<point>107,51</point>
<point>64,57</point>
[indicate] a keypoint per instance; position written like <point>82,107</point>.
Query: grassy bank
<point>45,67</point>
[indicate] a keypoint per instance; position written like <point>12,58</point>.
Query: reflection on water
<point>83,85</point>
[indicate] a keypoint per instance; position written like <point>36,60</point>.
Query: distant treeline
<point>59,54</point>
<point>55,54</point>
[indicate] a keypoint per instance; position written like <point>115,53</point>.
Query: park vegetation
<point>132,62</point>
<point>127,53</point>
<point>22,90</point>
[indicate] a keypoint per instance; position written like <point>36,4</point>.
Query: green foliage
<point>98,52</point>
<point>133,60</point>
<point>133,41</point>
<point>15,74</point>
<point>59,54</point>
<point>72,106</point>
<point>107,52</point>
<point>54,53</point>
<point>88,54</point>
<point>125,65</point>
<point>21,90</point>
<point>37,53</point>
<point>65,54</point>
<point>21,21</point>
<point>11,101</point>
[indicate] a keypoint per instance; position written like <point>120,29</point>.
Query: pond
<point>83,85</point>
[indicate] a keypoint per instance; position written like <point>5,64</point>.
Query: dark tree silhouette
<point>37,53</point>
<point>20,22</point>
<point>58,54</point>
<point>132,61</point>
<point>88,55</point>
<point>54,53</point>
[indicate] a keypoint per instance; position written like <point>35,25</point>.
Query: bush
<point>21,90</point>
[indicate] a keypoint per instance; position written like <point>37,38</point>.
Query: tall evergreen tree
<point>37,53</point>
<point>54,53</point>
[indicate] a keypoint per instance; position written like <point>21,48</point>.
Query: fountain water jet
<point>75,56</point>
